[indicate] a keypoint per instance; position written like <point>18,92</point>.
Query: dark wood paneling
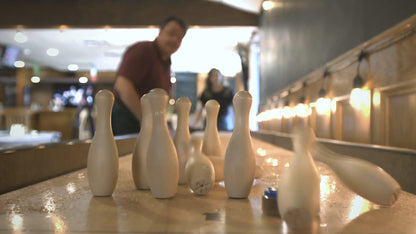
<point>119,13</point>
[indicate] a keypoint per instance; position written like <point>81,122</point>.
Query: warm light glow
<point>360,98</point>
<point>172,101</point>
<point>17,222</point>
<point>20,37</point>
<point>173,80</point>
<point>83,80</point>
<point>272,161</point>
<point>70,187</point>
<point>301,110</point>
<point>267,115</point>
<point>52,52</point>
<point>49,204</point>
<point>35,79</point>
<point>19,64</point>
<point>334,106</point>
<point>287,112</point>
<point>268,5</point>
<point>63,27</point>
<point>60,226</point>
<point>376,98</point>
<point>358,206</point>
<point>323,106</point>
<point>278,113</point>
<point>261,152</point>
<point>326,187</point>
<point>73,67</point>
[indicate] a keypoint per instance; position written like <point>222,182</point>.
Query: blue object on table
<point>269,202</point>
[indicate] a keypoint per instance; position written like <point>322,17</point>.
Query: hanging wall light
<point>323,104</point>
<point>302,109</point>
<point>360,96</point>
<point>287,110</point>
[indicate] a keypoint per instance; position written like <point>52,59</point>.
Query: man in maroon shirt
<point>145,66</point>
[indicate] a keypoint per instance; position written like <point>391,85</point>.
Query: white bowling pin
<point>162,161</point>
<point>211,144</point>
<point>142,143</point>
<point>362,177</point>
<point>199,171</point>
<point>102,163</point>
<point>240,161</point>
<point>299,188</point>
<point>182,135</point>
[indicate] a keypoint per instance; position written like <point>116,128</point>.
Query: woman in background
<point>215,89</point>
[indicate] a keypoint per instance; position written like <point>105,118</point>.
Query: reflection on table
<point>65,204</point>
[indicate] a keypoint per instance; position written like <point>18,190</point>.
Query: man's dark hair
<point>178,20</point>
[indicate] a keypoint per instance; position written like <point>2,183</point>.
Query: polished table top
<point>65,204</point>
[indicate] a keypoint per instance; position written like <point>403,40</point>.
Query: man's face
<point>170,38</point>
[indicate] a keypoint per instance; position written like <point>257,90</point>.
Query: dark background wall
<point>304,35</point>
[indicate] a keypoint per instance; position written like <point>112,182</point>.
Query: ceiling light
<point>52,52</point>
<point>83,80</point>
<point>19,63</point>
<point>73,67</point>
<point>20,37</point>
<point>35,79</point>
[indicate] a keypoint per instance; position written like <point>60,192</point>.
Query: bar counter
<point>65,204</point>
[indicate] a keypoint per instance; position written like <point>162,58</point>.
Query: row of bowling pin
<point>299,185</point>
<point>159,163</point>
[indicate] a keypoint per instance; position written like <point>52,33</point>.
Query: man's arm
<point>128,95</point>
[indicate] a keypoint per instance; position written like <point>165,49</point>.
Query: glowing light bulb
<point>301,110</point>
<point>268,5</point>
<point>360,98</point>
<point>73,67</point>
<point>35,79</point>
<point>287,112</point>
<point>19,64</point>
<point>83,80</point>
<point>323,105</point>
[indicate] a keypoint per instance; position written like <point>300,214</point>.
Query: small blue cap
<point>270,192</point>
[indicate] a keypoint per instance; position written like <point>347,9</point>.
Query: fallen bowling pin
<point>362,177</point>
<point>299,189</point>
<point>199,170</point>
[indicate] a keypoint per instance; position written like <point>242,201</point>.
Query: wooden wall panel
<point>355,124</point>
<point>402,123</point>
<point>323,125</point>
<point>389,72</point>
<point>399,102</point>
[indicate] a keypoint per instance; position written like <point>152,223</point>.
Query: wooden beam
<point>119,13</point>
